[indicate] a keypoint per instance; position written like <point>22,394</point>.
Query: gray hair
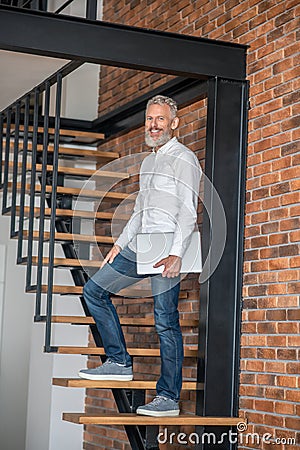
<point>162,100</point>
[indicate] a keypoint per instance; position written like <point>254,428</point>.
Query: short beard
<point>163,139</point>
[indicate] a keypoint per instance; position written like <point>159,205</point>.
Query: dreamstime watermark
<point>238,437</point>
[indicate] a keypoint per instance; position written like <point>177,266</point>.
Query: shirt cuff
<point>177,250</point>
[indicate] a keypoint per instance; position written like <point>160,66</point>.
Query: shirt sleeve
<point>188,174</point>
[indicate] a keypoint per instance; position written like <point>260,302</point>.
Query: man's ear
<point>175,123</point>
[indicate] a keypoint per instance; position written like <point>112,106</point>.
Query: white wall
<point>30,407</point>
<point>16,327</point>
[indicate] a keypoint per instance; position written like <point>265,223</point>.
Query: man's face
<point>159,125</point>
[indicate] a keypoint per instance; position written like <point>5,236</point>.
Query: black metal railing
<point>25,133</point>
<point>91,6</point>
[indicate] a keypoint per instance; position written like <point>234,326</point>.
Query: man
<point>166,202</point>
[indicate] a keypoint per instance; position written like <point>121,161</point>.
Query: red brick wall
<point>270,332</point>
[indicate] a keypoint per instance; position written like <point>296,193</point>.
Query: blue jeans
<point>118,275</point>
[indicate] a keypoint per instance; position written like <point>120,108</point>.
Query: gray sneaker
<point>160,407</point>
<point>108,371</point>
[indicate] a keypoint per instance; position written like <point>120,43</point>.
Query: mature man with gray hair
<point>166,202</point>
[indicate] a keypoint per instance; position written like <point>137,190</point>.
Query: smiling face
<point>159,125</point>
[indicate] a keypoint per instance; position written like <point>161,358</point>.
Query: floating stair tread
<point>86,193</point>
<point>136,419</point>
<point>71,237</point>
<point>64,262</point>
<point>127,321</point>
<point>135,384</point>
<point>70,350</point>
<point>91,155</point>
<point>77,290</point>
<point>82,153</point>
<point>72,213</point>
<point>58,289</point>
<point>76,171</point>
<point>63,132</point>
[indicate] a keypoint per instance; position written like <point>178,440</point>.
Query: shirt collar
<point>166,147</point>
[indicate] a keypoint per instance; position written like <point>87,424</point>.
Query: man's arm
<point>187,174</point>
<point>129,232</point>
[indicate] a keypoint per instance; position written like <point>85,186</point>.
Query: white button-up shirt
<point>168,197</point>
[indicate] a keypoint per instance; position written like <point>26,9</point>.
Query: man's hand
<point>111,255</point>
<point>172,265</point>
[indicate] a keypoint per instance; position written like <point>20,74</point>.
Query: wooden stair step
<point>64,237</point>
<point>136,419</point>
<point>64,262</point>
<point>87,135</point>
<point>77,290</point>
<point>58,289</point>
<point>82,153</point>
<point>126,321</point>
<point>135,384</point>
<point>85,193</point>
<point>70,350</point>
<point>75,171</point>
<point>87,154</point>
<point>72,213</point>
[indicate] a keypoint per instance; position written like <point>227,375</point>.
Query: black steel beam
<point>132,115</point>
<point>98,42</point>
<point>221,294</point>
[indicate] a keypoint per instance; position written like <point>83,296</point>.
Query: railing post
<point>15,171</point>
<point>43,5</point>
<point>6,161</point>
<point>32,187</point>
<point>91,9</point>
<point>23,180</point>
<point>53,214</point>
<point>42,205</point>
<point>1,148</point>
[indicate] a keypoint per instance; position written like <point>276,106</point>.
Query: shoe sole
<point>106,377</point>
<point>145,412</point>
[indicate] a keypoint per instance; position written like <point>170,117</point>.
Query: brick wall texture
<point>269,379</point>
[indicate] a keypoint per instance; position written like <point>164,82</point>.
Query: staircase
<point>37,160</point>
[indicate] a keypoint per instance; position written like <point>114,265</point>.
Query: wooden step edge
<point>76,171</point>
<point>86,193</point>
<point>125,321</point>
<point>72,213</point>
<point>135,384</point>
<point>64,132</point>
<point>142,352</point>
<point>136,419</point>
<point>143,293</point>
<point>57,289</point>
<point>64,237</point>
<point>81,151</point>
<point>77,290</point>
<point>64,262</point>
